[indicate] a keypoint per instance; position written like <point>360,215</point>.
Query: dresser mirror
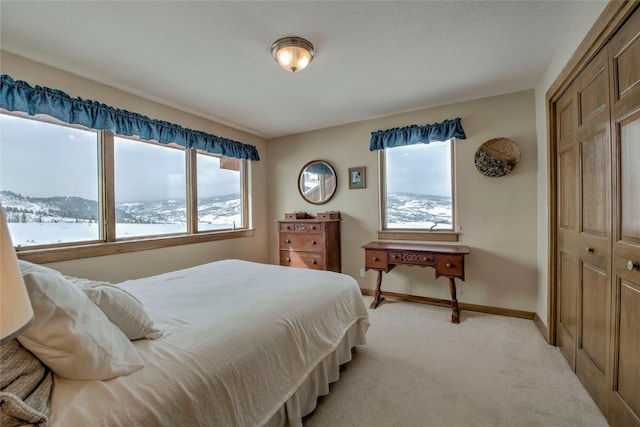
<point>317,182</point>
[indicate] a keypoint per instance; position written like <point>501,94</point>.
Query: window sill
<point>90,250</point>
<point>432,236</point>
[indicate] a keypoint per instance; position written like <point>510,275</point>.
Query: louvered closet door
<point>568,262</point>
<point>594,224</point>
<point>624,51</point>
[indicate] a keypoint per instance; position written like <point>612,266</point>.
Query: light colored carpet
<point>418,369</point>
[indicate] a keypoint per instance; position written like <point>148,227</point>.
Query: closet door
<point>568,267</point>
<point>624,51</point>
<point>594,229</point>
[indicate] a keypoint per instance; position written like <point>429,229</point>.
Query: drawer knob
<point>313,227</point>
<point>288,259</point>
<point>375,258</point>
<point>314,262</point>
<point>313,242</point>
<point>449,265</point>
<point>633,265</point>
<point>589,250</point>
<point>288,241</point>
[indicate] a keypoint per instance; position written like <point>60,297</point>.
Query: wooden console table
<point>448,261</point>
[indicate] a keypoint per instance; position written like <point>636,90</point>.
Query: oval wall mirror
<point>317,182</point>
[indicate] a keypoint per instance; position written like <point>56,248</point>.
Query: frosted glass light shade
<point>15,307</point>
<point>293,53</point>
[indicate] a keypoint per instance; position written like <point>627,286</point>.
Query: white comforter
<point>240,338</point>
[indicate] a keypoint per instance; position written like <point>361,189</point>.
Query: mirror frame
<point>300,177</point>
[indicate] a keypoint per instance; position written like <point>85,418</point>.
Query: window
<point>219,198</point>
<point>60,184</point>
<point>418,190</point>
<point>48,182</point>
<point>150,189</point>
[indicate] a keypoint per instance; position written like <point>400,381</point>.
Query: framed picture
<point>357,178</point>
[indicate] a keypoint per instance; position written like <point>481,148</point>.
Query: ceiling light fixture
<point>292,53</point>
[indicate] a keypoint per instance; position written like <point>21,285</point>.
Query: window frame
<point>108,244</point>
<point>385,233</point>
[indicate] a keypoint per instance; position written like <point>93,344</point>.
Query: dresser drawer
<point>307,242</point>
<point>302,227</point>
<point>450,265</point>
<point>302,259</point>
<point>376,259</point>
<point>310,243</point>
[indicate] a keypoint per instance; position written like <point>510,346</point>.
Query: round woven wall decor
<point>497,157</point>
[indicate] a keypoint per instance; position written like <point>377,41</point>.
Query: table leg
<point>455,311</point>
<point>377,298</point>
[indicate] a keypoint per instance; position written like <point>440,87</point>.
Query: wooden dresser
<point>310,242</point>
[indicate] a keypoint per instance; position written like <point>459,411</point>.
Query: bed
<point>229,343</point>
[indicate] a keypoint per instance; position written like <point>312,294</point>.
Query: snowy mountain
<point>48,220</point>
<point>24,209</point>
<point>405,210</point>
<point>21,209</point>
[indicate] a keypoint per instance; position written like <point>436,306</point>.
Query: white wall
<point>497,216</point>
<point>119,267</point>
<point>581,26</point>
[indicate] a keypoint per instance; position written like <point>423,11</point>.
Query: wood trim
<point>446,303</point>
<point>426,236</point>
<point>609,21</point>
<point>542,327</point>
<point>107,185</point>
<point>552,203</point>
<point>191,168</point>
<point>245,185</point>
<point>67,253</point>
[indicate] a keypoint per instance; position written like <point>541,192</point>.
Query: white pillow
<point>70,334</point>
<point>123,310</point>
<point>121,307</point>
<point>29,267</point>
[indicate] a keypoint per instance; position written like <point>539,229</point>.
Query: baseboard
<point>463,306</point>
<point>542,328</point>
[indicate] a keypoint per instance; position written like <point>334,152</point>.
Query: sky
<point>419,169</point>
<point>68,167</point>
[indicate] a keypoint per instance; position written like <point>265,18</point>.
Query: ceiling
<point>373,58</point>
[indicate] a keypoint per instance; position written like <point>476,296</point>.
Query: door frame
<point>610,20</point>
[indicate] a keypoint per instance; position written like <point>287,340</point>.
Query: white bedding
<point>241,338</point>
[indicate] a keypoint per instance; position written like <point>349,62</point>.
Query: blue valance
<point>415,134</point>
<point>20,96</point>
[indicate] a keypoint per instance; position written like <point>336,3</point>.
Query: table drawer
<point>302,227</point>
<point>302,259</point>
<point>414,258</point>
<point>450,265</point>
<point>376,259</point>
<point>308,242</point>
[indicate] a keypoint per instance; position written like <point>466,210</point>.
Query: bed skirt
<point>304,400</point>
